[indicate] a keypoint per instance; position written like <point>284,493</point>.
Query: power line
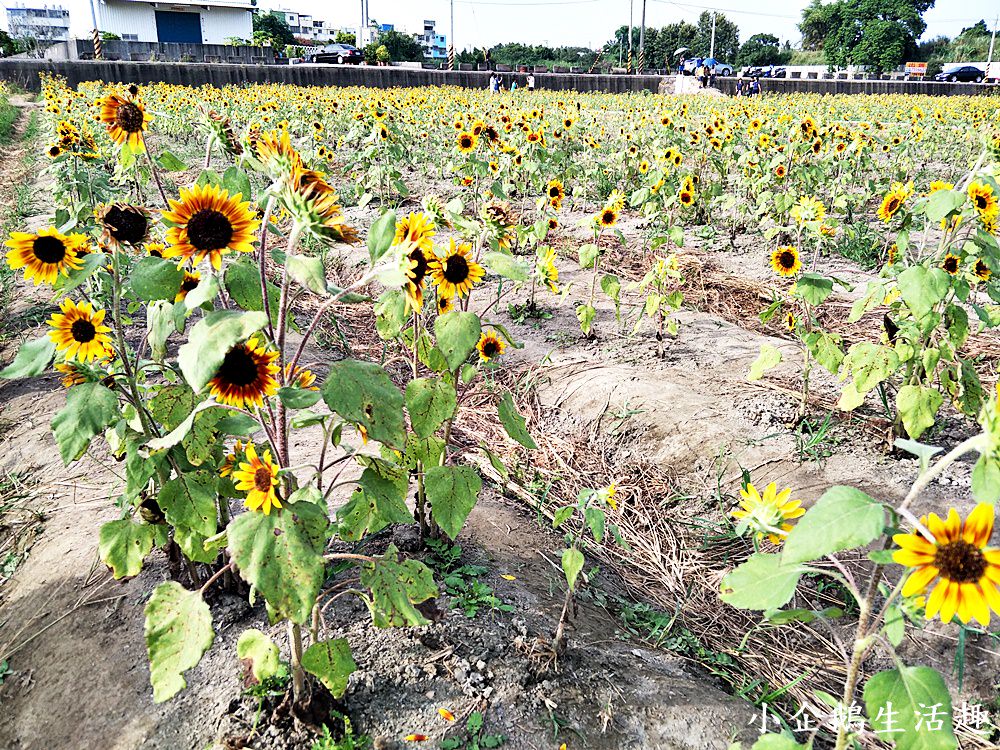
<point>689,6</point>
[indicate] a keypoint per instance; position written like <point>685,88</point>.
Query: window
<point>130,37</point>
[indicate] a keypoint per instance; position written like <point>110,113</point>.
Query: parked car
<point>964,74</point>
<point>764,72</point>
<point>338,53</point>
<point>721,69</point>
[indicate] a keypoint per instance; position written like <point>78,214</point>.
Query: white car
<point>721,69</point>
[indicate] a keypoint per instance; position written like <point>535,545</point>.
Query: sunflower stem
<point>156,175</point>
<point>298,674</point>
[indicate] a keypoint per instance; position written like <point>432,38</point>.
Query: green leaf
<point>762,582</point>
<point>363,392</point>
<point>159,326</point>
<point>457,334</point>
<point>813,288</point>
<point>281,555</point>
<point>178,631</point>
<point>825,349</point>
<point>240,425</point>
<point>922,288</point>
<point>874,297</point>
<point>211,339</point>
<point>895,624</point>
<point>572,564</point>
<point>192,544</point>
<point>235,180</point>
<point>90,407</point>
<point>918,405</point>
<point>941,203</point>
<point>307,271</point>
<point>396,587</point>
<point>768,358</point>
<point>843,518</point>
<point>773,741</point>
<point>180,432</point>
<point>242,280</point>
<point>76,277</point>
<point>31,360</point>
<point>506,265</point>
<point>331,662</point>
<point>870,364</point>
<point>907,696</point>
<point>452,491</point>
<point>379,501</point>
<point>199,444</point>
<point>298,398</point>
<point>189,500</point>
<point>207,289</point>
<point>123,545</point>
<point>259,655</point>
<point>381,235</point>
<point>785,616</point>
<point>155,278</point>
<point>172,404</point>
<point>986,479</point>
<point>430,402</point>
<point>513,423</point>
<point>168,161</point>
<point>588,254</point>
<point>586,314</point>
<point>390,313</point>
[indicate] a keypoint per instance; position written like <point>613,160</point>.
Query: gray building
<point>45,23</point>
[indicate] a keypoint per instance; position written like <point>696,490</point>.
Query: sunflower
<point>608,217</point>
<point>790,321</point>
<point>556,193</point>
<point>966,570</point>
<point>209,222</point>
<point>123,224</point>
<point>785,261</point>
<point>780,171</point>
<point>686,197</point>
<point>231,459</point>
<point>982,271</point>
<point>417,228</point>
<point>768,513</point>
<point>445,305</point>
<point>246,376</point>
<point>189,284</point>
<point>54,151</point>
<point>125,119</point>
<point>258,475</point>
<point>950,264</point>
<point>490,345</point>
<point>415,275</point>
<point>466,142</point>
<point>893,201</point>
<point>981,196</point>
<point>939,185</point>
<point>79,331</point>
<point>72,374</point>
<point>808,208</point>
<point>300,377</point>
<point>156,249</point>
<point>45,255</point>
<point>455,273</point>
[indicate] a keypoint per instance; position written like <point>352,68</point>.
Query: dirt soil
<point>80,676</point>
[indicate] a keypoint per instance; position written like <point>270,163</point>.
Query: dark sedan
<point>338,53</point>
<point>964,74</point>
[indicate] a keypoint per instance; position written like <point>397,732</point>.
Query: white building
<point>308,27</point>
<point>183,21</point>
<point>40,22</point>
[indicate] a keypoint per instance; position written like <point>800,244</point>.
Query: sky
<point>587,23</point>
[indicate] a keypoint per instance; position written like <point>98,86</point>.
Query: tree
<point>727,37</point>
<point>877,33</point>
<point>272,29</point>
<point>346,37</point>
<point>401,46</point>
<point>972,44</point>
<point>7,45</point>
<point>761,49</point>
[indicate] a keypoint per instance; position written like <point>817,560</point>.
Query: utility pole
<point>642,39</point>
<point>451,39</point>
<point>98,51</point>
<point>628,67</point>
<point>993,41</point>
<point>711,52</point>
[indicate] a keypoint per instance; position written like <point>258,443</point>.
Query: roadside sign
<point>916,69</point>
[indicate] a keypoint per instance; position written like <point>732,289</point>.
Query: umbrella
<point>710,61</point>
<point>681,51</point>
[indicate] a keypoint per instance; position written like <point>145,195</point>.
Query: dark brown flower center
<point>420,270</point>
<point>209,229</point>
<point>891,205</point>
<point>48,249</point>
<point>262,479</point>
<point>491,348</point>
<point>554,191</point>
<point>981,202</point>
<point>951,265</point>
<point>189,283</point>
<point>129,117</point>
<point>126,224</point>
<point>960,562</point>
<point>456,269</point>
<point>787,260</point>
<point>83,331</point>
<point>608,217</point>
<point>466,142</point>
<point>239,367</point>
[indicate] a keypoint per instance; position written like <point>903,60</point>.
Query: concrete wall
<point>25,74</point>
<point>83,49</point>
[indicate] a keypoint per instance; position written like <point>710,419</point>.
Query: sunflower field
<point>735,360</point>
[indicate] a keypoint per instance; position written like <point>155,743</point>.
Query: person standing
<point>488,59</point>
<point>493,83</point>
<point>531,82</point>
<point>739,85</point>
<point>680,66</point>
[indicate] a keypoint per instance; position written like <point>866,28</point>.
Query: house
<point>305,26</point>
<point>40,22</point>
<point>178,21</point>
<point>435,45</point>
